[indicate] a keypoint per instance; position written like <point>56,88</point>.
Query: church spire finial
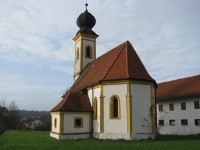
<point>86,4</point>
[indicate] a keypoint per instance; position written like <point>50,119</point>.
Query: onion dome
<point>86,21</point>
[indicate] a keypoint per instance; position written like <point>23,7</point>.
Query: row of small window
<point>34,124</point>
<point>183,106</point>
<point>88,52</point>
<point>78,122</point>
<point>114,107</point>
<point>184,122</point>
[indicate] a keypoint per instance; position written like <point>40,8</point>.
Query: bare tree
<point>3,115</point>
<point>13,116</point>
<point>159,115</point>
<point>12,106</point>
<point>162,115</point>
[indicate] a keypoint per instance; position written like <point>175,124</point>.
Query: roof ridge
<point>183,78</point>
<point>114,61</point>
<point>110,51</point>
<point>188,86</point>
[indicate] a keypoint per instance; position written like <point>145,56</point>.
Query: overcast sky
<point>37,50</point>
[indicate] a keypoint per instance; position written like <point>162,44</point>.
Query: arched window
<point>115,107</point>
<point>95,108</point>
<point>77,53</point>
<point>88,52</point>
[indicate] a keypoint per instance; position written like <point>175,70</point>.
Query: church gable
<point>127,65</point>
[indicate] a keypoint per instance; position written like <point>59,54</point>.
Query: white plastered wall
<point>95,92</point>
<point>69,123</point>
<point>177,114</point>
<point>113,128</point>
<point>54,128</point>
<point>116,127</point>
<point>141,103</point>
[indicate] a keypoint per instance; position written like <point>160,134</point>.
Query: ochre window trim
<point>76,124</point>
<point>113,100</point>
<point>95,108</point>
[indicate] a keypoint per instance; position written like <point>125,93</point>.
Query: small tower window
<point>88,52</point>
<point>77,53</point>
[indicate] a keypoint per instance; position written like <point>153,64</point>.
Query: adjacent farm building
<point>178,108</point>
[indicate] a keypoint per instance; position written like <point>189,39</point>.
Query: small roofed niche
<point>55,123</point>
<point>77,53</point>
<point>88,52</point>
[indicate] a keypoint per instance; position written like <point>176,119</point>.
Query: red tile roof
<point>74,102</point>
<point>122,62</point>
<point>185,87</point>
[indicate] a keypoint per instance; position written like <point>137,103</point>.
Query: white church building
<point>178,106</point>
<point>113,96</point>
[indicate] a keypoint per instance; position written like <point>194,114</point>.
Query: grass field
<point>40,140</point>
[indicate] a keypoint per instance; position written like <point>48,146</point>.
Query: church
<point>112,97</point>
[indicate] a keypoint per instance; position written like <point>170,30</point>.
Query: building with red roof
<point>178,106</point>
<point>112,96</point>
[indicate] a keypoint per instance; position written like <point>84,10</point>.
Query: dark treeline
<point>10,116</point>
<point>34,114</point>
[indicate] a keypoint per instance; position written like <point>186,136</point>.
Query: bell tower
<point>85,42</point>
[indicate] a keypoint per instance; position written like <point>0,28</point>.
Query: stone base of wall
<point>112,136</point>
<point>104,136</point>
<point>118,136</point>
<point>69,136</point>
<point>143,136</point>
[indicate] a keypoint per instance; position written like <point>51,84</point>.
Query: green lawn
<point>40,140</point>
